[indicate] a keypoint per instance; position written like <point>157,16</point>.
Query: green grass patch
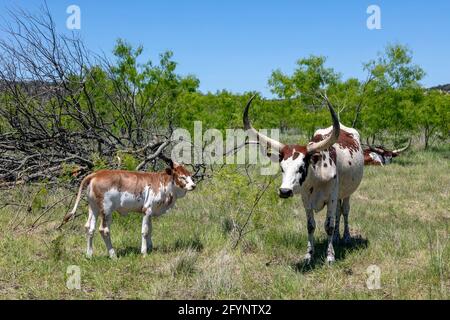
<point>399,221</point>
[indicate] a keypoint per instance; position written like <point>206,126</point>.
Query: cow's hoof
<point>330,260</point>
<point>307,259</point>
<point>112,254</point>
<point>336,239</point>
<point>89,255</point>
<point>347,239</point>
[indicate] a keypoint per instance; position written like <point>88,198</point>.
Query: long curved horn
<point>377,149</point>
<point>402,149</point>
<point>271,143</point>
<point>333,136</point>
<point>374,149</point>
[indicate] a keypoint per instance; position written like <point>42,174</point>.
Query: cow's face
<point>182,177</point>
<point>388,156</point>
<point>294,163</point>
<point>294,159</point>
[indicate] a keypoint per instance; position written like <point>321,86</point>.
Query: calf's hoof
<point>330,259</point>
<point>146,250</point>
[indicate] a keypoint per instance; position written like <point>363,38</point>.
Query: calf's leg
<point>105,231</point>
<point>90,229</point>
<point>146,233</point>
<point>88,222</point>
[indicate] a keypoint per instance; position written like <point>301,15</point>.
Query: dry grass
<point>399,219</point>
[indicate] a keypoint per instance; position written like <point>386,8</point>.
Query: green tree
<point>433,116</point>
<point>303,91</point>
<point>391,78</point>
<point>148,93</point>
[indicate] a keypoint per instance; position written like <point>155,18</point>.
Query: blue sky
<point>235,45</point>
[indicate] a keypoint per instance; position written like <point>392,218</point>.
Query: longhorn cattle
<point>149,193</point>
<point>379,156</point>
<point>326,171</point>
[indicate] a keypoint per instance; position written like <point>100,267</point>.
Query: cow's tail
<point>83,184</point>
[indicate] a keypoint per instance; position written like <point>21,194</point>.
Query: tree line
<point>65,110</point>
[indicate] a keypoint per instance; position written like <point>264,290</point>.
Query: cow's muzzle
<point>285,193</point>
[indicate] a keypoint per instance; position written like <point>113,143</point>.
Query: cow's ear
<point>272,154</point>
<point>316,157</point>
<point>169,171</point>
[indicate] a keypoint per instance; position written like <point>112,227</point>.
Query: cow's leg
<point>105,231</point>
<point>346,211</point>
<point>336,236</point>
<point>90,230</point>
<point>311,227</point>
<point>329,228</point>
<point>146,232</point>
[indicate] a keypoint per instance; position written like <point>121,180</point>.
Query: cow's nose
<point>285,193</point>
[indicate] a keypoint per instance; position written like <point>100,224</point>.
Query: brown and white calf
<point>379,156</point>
<point>149,193</point>
<point>326,171</point>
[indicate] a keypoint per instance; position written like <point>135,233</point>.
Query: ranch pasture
<point>399,221</point>
<point>73,102</point>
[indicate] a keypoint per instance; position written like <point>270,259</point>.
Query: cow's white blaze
<point>293,171</point>
<point>376,157</point>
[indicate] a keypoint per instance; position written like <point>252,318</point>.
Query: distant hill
<point>444,87</point>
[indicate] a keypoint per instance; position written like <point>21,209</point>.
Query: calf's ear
<point>169,171</point>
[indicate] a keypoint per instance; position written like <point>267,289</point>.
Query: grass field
<point>399,220</point>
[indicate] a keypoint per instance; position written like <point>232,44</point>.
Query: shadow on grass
<point>178,245</point>
<point>128,251</point>
<point>340,251</point>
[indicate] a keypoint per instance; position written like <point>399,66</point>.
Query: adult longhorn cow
<point>325,172</point>
<point>379,156</point>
